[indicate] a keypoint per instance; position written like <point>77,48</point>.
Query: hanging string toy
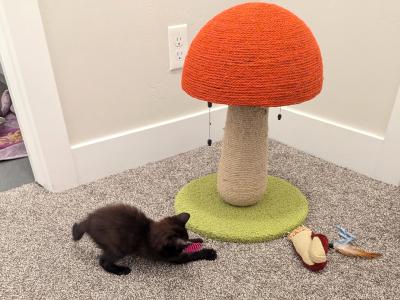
<point>209,141</point>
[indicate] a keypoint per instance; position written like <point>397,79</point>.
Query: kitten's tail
<point>78,230</point>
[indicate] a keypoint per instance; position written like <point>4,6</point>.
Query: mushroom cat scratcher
<point>250,57</point>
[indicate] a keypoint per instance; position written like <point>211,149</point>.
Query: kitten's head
<point>169,236</point>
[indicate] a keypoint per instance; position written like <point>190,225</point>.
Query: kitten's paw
<point>197,240</point>
<point>123,271</point>
<point>210,254</point>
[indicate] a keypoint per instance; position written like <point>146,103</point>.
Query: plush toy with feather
<point>313,247</point>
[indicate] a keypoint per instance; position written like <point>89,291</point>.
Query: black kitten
<point>121,230</point>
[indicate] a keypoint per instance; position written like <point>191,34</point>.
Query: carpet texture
<point>282,209</point>
<point>38,260</point>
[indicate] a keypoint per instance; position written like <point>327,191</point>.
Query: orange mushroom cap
<point>254,54</point>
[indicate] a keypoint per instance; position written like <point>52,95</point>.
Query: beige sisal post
<point>242,169</point>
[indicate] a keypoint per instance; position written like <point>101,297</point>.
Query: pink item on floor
<point>11,142</point>
<point>194,247</point>
<point>5,103</point>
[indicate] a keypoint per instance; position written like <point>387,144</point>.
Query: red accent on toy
<point>325,243</point>
<point>324,240</point>
<point>194,247</point>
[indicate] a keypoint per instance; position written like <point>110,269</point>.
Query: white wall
<point>111,60</point>
<point>360,45</point>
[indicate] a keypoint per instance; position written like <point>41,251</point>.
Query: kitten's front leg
<point>203,254</point>
<point>107,262</point>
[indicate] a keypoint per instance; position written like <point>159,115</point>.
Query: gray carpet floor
<point>38,260</point>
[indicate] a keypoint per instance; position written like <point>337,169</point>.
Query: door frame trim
<point>28,71</point>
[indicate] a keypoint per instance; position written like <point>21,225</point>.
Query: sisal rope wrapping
<point>254,54</point>
<point>242,169</point>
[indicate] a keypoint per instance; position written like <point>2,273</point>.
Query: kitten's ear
<point>182,218</point>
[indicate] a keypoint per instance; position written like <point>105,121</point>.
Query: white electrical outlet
<point>178,45</point>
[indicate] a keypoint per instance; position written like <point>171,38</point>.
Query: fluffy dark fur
<point>121,230</point>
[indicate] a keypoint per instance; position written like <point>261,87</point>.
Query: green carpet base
<point>282,209</point>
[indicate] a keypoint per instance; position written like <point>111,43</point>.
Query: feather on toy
<point>344,246</point>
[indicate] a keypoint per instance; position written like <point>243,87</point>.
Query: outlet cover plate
<point>178,45</point>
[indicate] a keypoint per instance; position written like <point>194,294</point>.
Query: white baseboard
<point>388,165</point>
<point>116,153</point>
<point>342,145</point>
